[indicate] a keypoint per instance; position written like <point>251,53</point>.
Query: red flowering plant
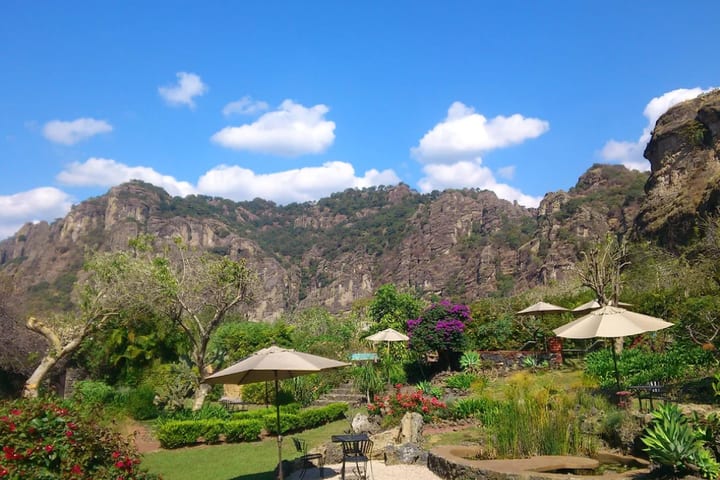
<point>440,328</point>
<point>50,439</point>
<point>394,406</point>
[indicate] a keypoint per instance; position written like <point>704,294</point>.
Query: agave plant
<point>671,441</point>
<point>471,361</point>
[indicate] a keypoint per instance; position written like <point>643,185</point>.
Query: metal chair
<point>356,454</point>
<point>307,458</point>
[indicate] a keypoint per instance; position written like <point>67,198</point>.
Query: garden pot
<point>555,344</point>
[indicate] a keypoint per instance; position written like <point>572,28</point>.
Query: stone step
<point>342,393</point>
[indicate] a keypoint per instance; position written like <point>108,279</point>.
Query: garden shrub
<point>671,441</point>
<point>93,392</point>
<point>244,426</point>
<point>259,394</point>
<point>140,403</point>
<point>392,407</point>
<point>638,366</point>
<point>440,328</point>
<point>208,411</point>
<point>484,409</point>
<point>181,433</point>
<point>429,389</point>
<point>49,438</point>
<point>460,381</point>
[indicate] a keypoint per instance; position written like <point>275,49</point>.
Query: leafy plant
<point>671,441</point>
<point>428,388</point>
<point>471,361</point>
<point>482,408</point>
<point>460,381</point>
<point>439,328</point>
<point>47,439</point>
<point>395,406</point>
<point>367,379</point>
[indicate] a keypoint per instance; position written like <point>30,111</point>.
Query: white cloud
<point>630,154</point>
<point>297,185</point>
<point>189,86</point>
<point>507,173</point>
<point>290,131</point>
<point>470,174</point>
<point>245,106</point>
<point>70,133</point>
<point>45,203</point>
<point>103,172</point>
<point>466,134</point>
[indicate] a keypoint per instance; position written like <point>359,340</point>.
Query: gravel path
<point>380,471</point>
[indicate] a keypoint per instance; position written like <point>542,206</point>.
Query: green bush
<point>484,409</point>
<point>638,366</point>
<point>48,439</point>
<point>671,441</point>
<point>91,392</point>
<point>244,426</point>
<point>181,433</point>
<point>140,403</point>
<point>460,381</point>
<point>259,394</point>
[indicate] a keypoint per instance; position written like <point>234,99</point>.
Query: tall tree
<point>96,298</point>
<point>391,308</point>
<point>196,291</point>
<point>601,266</point>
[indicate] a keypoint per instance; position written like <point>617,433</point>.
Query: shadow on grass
<point>255,476</point>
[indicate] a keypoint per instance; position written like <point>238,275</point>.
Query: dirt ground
<point>144,439</point>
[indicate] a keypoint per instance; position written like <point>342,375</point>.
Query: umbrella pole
<point>617,372</point>
<point>279,436</point>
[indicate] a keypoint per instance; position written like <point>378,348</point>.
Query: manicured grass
<point>239,461</point>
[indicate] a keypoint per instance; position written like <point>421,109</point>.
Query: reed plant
<point>535,420</point>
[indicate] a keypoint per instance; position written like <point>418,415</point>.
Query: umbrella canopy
<point>388,335</point>
<point>540,308</point>
<point>273,363</point>
<point>611,322</point>
<point>594,305</point>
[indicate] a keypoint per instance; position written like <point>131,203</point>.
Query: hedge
<point>244,427</point>
<point>180,433</point>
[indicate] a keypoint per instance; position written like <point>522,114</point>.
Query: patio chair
<point>306,458</point>
<point>356,455</point>
<point>653,390</point>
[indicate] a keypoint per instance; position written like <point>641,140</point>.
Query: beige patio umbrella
<point>611,322</point>
<point>540,308</point>
<point>594,305</point>
<point>273,364</point>
<point>387,335</point>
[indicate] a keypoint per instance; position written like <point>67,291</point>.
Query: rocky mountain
<point>460,243</point>
<point>684,183</point>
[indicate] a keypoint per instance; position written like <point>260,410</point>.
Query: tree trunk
<point>31,385</point>
<point>200,394</point>
<point>203,389</point>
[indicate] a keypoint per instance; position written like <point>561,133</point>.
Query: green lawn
<point>238,461</point>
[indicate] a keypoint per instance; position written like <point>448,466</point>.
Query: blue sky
<point>292,101</point>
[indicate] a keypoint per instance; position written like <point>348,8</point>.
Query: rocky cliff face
<point>684,184</point>
<point>460,243</point>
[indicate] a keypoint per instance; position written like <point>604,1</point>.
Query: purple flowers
<point>440,327</point>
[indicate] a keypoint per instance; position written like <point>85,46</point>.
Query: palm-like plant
<point>671,441</point>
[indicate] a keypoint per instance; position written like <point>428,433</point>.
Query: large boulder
<point>411,427</point>
<point>362,423</point>
<point>407,453</point>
